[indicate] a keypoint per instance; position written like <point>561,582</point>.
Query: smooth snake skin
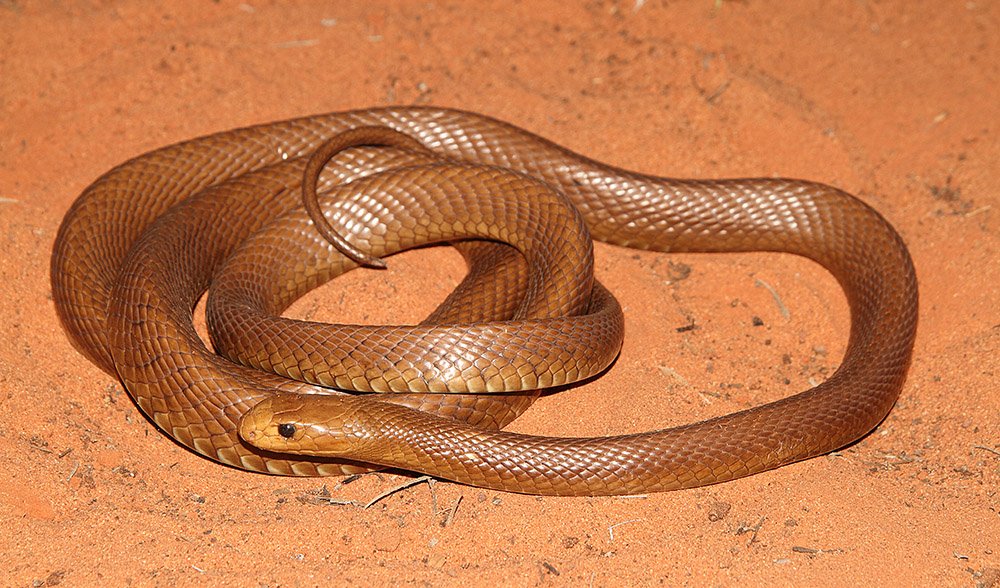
<point>130,311</point>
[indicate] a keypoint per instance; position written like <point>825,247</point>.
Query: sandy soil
<point>893,100</point>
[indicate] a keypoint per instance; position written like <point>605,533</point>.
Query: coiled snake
<point>128,267</point>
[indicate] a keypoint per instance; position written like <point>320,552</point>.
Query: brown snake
<point>129,310</point>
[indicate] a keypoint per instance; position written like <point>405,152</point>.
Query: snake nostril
<point>286,430</point>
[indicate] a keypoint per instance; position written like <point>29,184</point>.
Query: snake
<point>129,309</point>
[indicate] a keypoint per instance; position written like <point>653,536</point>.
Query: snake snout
<point>254,423</point>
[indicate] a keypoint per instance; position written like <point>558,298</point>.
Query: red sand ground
<point>896,101</point>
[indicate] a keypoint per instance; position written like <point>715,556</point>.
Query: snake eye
<point>286,430</point>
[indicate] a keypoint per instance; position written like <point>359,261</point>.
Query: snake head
<point>300,424</point>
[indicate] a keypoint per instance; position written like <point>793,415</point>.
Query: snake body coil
<point>128,266</point>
